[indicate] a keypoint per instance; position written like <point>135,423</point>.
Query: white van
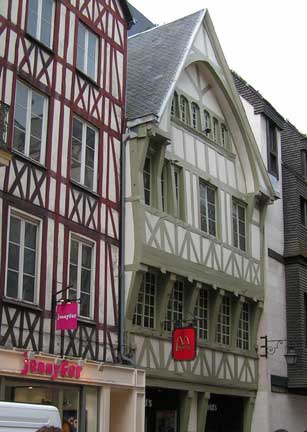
<point>19,417</point>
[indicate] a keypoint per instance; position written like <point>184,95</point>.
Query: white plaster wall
<point>274,411</point>
<point>275,311</point>
<point>288,412</point>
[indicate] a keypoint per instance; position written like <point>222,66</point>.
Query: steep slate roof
<point>141,23</point>
<point>261,105</point>
<point>154,58</point>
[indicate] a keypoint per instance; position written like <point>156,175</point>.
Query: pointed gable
<point>153,63</point>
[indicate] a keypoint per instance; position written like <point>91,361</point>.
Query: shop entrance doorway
<point>162,410</point>
<point>225,413</point>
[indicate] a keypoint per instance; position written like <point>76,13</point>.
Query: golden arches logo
<point>183,343</point>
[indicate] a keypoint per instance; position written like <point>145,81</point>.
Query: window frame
<point>84,69</point>
<point>149,174</point>
<point>164,184</point>
<point>203,185</point>
<point>203,314</point>
<point>25,218</point>
<point>207,123</point>
<point>25,153</point>
<point>146,295</point>
<point>85,126</point>
<point>224,136</point>
<point>303,211</point>
<point>236,236</point>
<point>272,148</point>
<point>185,110</point>
<point>38,28</point>
<point>175,106</point>
<point>196,122</point>
<point>243,335</point>
<point>169,324</point>
<point>81,240</point>
<point>304,163</point>
<point>216,130</point>
<point>221,335</point>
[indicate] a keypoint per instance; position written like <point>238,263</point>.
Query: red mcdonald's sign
<point>184,343</point>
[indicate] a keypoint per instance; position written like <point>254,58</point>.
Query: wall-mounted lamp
<point>270,346</point>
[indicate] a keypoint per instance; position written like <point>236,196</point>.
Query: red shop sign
<point>184,343</point>
<point>63,369</point>
<point>66,316</point>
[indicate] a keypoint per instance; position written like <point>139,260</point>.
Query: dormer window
<point>195,116</point>
<point>184,110</point>
<point>175,107</point>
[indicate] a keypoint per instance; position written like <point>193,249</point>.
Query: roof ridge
<point>166,24</point>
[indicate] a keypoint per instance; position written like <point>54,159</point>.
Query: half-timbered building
<point>196,198</point>
<point>62,97</point>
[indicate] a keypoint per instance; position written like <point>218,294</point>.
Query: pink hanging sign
<point>66,316</point>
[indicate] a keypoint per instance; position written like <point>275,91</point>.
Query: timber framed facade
<point>62,77</point>
<point>196,198</point>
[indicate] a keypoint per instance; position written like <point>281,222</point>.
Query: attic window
<point>224,135</point>
<point>215,130</point>
<point>184,110</point>
<point>195,116</point>
<point>175,107</point>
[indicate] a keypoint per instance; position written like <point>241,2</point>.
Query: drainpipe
<point>122,289</point>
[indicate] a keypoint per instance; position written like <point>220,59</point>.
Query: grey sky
<point>264,41</point>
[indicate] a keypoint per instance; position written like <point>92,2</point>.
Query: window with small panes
<point>201,312</point>
<point>145,309</point>
<point>195,116</point>
<point>224,322</point>
<point>175,307</point>
<point>81,274</point>
<point>243,329</point>
<point>184,110</point>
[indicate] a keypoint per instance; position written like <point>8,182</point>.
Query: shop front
<point>91,396</point>
<point>174,410</point>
